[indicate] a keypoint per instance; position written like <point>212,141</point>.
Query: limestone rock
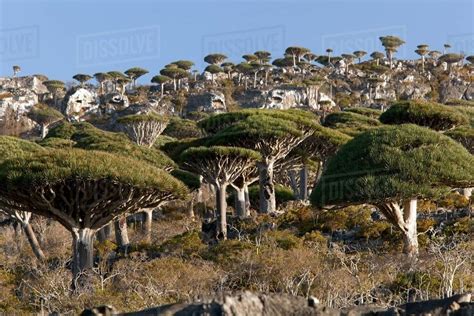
<point>79,102</point>
<point>115,101</point>
<point>211,102</point>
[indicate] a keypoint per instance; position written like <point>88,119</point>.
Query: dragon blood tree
<point>392,167</point>
<point>322,144</point>
<point>12,147</point>
<point>219,166</point>
<point>84,191</point>
<point>272,133</point>
<point>86,136</point>
<point>143,129</point>
<point>436,116</point>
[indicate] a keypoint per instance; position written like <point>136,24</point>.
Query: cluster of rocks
<point>251,304</point>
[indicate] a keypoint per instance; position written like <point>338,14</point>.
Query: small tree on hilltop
<point>391,45</point>
<point>296,53</point>
<point>16,70</point>
<point>101,78</point>
<point>84,190</point>
<point>135,73</point>
<point>422,50</point>
<point>161,80</point>
<point>45,116</point>
<point>451,59</point>
<point>392,167</point>
<point>174,72</point>
<point>54,87</point>
<point>377,56</point>
<point>143,129</point>
<point>213,70</point>
<point>215,59</point>
<point>359,54</point>
<point>219,166</point>
<point>82,78</point>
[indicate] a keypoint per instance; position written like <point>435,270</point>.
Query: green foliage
<point>56,165</point>
<point>160,79</point>
<point>459,102</point>
<point>372,113</point>
<point>433,115</point>
<point>350,123</point>
<point>181,128</point>
<point>187,245</point>
<point>13,147</point>
<point>54,142</point>
<point>44,115</point>
<point>138,118</point>
<point>463,135</point>
<point>394,162</point>
<point>214,152</point>
<point>226,251</point>
<point>86,136</point>
<point>283,239</point>
<point>191,180</point>
<point>282,194</point>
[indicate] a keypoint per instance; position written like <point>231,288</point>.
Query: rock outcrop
<point>210,102</point>
<point>79,102</point>
<point>17,97</point>
<point>250,304</point>
<point>284,98</point>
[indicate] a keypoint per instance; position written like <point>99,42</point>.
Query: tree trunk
<point>267,188</point>
<point>191,209</point>
<point>83,256</point>
<point>121,233</point>
<point>410,234</point>
<point>240,203</point>
<point>255,80</point>
<point>35,246</point>
<point>294,183</point>
<point>247,198</point>
<point>44,131</point>
<point>221,210</point>
<point>304,183</point>
<point>162,89</point>
<point>104,233</point>
<point>148,220</point>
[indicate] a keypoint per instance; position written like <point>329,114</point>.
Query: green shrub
<point>283,239</point>
<point>187,245</point>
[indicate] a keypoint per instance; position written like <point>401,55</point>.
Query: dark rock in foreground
<point>250,304</point>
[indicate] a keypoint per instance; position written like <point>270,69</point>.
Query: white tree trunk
<point>267,187</point>
<point>221,210</point>
<point>410,234</point>
<point>35,246</point>
<point>83,255</point>
<point>148,220</point>
<point>121,233</point>
<point>240,202</point>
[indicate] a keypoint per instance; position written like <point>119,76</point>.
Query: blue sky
<point>60,38</point>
